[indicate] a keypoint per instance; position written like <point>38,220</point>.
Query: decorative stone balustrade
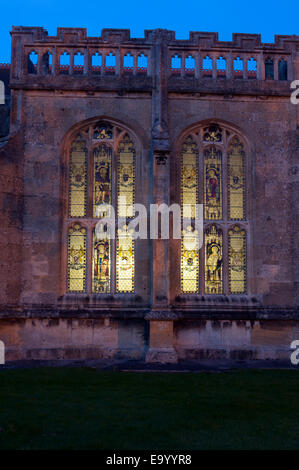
<point>116,54</point>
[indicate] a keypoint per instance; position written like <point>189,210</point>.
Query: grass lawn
<point>76,408</point>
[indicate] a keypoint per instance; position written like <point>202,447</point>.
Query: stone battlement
<point>115,53</point>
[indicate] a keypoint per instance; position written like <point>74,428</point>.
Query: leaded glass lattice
<point>189,199</point>
<point>189,260</point>
<point>76,279</point>
<point>236,183</point>
<point>101,264</point>
<point>213,261</point>
<point>237,260</point>
<point>125,260</point>
<point>126,178</point>
<point>213,184</point>
<point>102,180</point>
<point>78,178</point>
<point>189,178</point>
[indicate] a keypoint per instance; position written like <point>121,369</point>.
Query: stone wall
<point>78,338</point>
<point>158,103</point>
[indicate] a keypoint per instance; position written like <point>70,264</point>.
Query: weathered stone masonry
<point>159,103</point>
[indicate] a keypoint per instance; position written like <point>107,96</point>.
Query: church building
<point>91,126</point>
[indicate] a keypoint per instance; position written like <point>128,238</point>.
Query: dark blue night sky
<point>225,17</point>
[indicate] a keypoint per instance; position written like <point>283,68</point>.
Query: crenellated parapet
<point>113,54</point>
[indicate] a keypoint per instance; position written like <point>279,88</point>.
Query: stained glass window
<point>236,180</point>
<point>237,260</point>
<point>101,176</point>
<point>213,261</point>
<point>189,178</point>
<point>189,260</point>
<point>213,158</point>
<point>102,131</point>
<point>126,178</point>
<point>102,180</point>
<point>78,178</point>
<point>213,133</point>
<point>189,199</point>
<point>101,264</point>
<point>125,260</point>
<point>212,184</point>
<point>76,280</point>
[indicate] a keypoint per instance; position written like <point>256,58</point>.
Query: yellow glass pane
<point>101,265</point>
<point>76,280</point>
<point>78,179</point>
<point>126,178</point>
<point>213,261</point>
<point>236,184</point>
<point>102,162</point>
<point>125,261</point>
<point>189,178</point>
<point>189,261</point>
<point>237,260</point>
<point>213,184</point>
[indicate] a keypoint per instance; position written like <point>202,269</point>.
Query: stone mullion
<point>71,69</point>
<point>214,68</point>
<point>117,62</point>
<point>275,66</point>
<point>135,56</point>
<point>245,71</point>
<point>229,66</point>
<point>103,62</point>
<point>87,62</point>
<point>197,65</point>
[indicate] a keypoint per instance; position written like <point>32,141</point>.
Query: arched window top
<point>213,133</point>
<point>219,134</point>
<point>102,130</point>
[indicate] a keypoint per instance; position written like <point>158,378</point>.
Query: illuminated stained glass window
<point>101,265</point>
<point>126,178</point>
<point>125,260</point>
<point>212,184</point>
<point>236,183</point>
<point>76,281</point>
<point>213,261</point>
<point>213,158</point>
<point>189,178</point>
<point>102,180</point>
<point>189,260</point>
<point>237,260</point>
<point>78,178</point>
<point>101,175</point>
<point>189,199</point>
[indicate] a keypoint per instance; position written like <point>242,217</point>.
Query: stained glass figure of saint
<point>102,180</point>
<point>101,265</point>
<point>213,261</point>
<point>126,177</point>
<point>213,186</point>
